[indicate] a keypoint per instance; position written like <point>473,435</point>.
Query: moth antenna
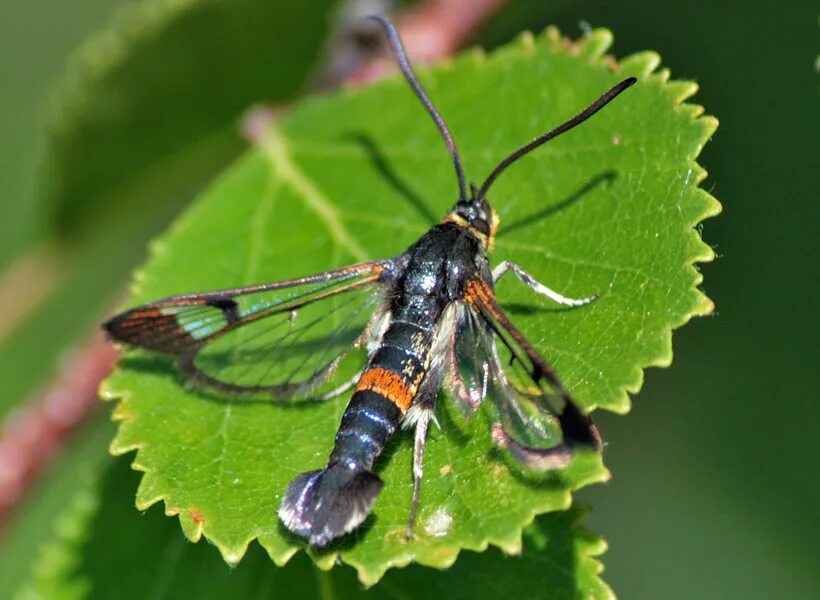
<point>401,57</point>
<point>590,110</point>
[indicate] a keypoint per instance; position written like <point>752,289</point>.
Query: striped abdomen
<point>322,505</point>
<point>384,393</point>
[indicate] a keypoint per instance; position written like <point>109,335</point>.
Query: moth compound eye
<point>481,225</point>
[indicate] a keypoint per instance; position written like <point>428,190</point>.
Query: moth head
<point>478,216</point>
<point>473,211</point>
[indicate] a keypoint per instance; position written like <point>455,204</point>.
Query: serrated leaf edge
<point>596,547</point>
<point>593,47</point>
<point>511,544</point>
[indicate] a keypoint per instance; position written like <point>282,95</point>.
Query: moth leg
<point>538,287</point>
<point>423,409</point>
<point>421,413</point>
<point>369,338</point>
<point>422,421</point>
<point>338,391</point>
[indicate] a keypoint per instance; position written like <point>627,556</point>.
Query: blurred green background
<point>715,488</point>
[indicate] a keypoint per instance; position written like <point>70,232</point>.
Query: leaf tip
<point>640,64</point>
<point>105,391</point>
<point>553,37</point>
<point>594,45</point>
<point>513,545</point>
<point>282,556</point>
<point>233,556</point>
<point>192,522</point>
<point>526,43</point>
<point>475,55</point>
<point>120,446</point>
<point>121,410</point>
<point>324,560</point>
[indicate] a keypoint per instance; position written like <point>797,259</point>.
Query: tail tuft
<point>323,505</point>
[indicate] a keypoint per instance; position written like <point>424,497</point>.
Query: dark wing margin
<point>283,339</point>
<point>524,387</point>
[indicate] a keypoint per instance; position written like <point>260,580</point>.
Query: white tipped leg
<point>538,287</point>
<point>423,419</point>
<point>338,391</point>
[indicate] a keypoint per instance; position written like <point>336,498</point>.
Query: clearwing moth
<point>428,319</point>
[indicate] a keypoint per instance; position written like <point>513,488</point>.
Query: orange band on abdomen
<point>390,385</point>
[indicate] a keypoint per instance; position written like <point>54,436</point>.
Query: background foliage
<point>710,487</point>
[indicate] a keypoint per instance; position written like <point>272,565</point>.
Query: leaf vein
<point>275,148</point>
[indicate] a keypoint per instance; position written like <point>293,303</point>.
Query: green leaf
<point>77,467</point>
<point>36,40</point>
<point>609,208</point>
<point>171,78</point>
<point>104,549</point>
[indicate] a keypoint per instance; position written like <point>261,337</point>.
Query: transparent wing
<point>285,338</point>
<point>487,369</point>
<point>524,389</point>
<point>471,350</point>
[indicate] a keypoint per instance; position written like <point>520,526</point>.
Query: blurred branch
<point>31,437</point>
<point>432,31</point>
<point>25,284</point>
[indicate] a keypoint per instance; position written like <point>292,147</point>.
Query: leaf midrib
<point>276,150</point>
